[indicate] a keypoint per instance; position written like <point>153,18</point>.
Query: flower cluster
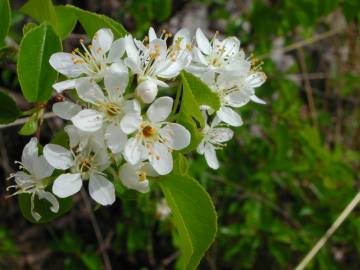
<point>120,121</point>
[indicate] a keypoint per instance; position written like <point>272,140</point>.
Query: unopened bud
<point>147,91</point>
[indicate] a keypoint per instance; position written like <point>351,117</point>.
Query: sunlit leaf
<point>35,74</point>
<point>194,216</point>
<point>91,22</point>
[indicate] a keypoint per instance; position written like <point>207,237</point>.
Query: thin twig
<point>345,213</point>
<point>308,88</point>
<point>97,231</point>
<point>23,120</point>
<point>303,43</point>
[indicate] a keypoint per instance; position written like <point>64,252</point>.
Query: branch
<point>304,43</point>
<point>97,231</point>
<point>23,120</point>
<point>345,213</point>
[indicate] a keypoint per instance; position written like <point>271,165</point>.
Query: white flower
<point>154,60</point>
<point>81,139</point>
<point>214,138</point>
<point>217,56</point>
<point>109,108</point>
<point>234,92</point>
<point>89,163</point>
<point>100,60</point>
<point>135,176</point>
<point>102,117</point>
<point>32,178</point>
<point>154,137</point>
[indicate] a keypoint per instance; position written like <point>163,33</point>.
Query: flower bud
<point>147,91</point>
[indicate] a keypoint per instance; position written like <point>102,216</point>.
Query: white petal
<point>115,138</point>
<point>64,63</point>
<point>199,57</point>
<point>102,41</point>
<point>30,152</point>
<point>152,34</point>
<point>231,46</point>
<point>147,91</point>
<point>133,151</point>
<point>117,50</point>
<point>24,180</point>
<point>34,214</point>
<point>41,168</point>
<point>257,100</point>
<point>51,199</point>
<point>222,134</point>
<point>170,70</point>
<point>131,106</point>
<point>88,120</point>
<point>201,147</point>
<point>133,65</point>
<point>89,91</point>
<point>66,110</point>
<point>161,159</point>
<point>73,134</point>
<point>148,169</point>
<point>176,135</point>
<point>160,109</point>
<point>229,116</point>
<point>128,175</point>
<point>133,60</point>
<point>255,79</point>
<point>184,35</point>
<point>64,85</point>
<point>59,157</point>
<point>210,156</point>
<point>130,122</point>
<point>67,184</point>
<point>116,79</point>
<point>101,159</point>
<point>203,42</point>
<point>101,189</point>
<point>239,98</point>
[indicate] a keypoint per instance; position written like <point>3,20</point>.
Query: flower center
<point>142,176</point>
<point>85,165</point>
<point>112,109</point>
<point>148,131</point>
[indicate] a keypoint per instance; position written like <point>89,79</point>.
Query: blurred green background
<point>290,171</point>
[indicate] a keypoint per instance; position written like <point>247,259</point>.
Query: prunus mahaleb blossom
<point>32,178</point>
<point>119,129</point>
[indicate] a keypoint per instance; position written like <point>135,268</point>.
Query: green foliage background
<point>286,176</point>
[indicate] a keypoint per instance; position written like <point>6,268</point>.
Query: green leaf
<point>5,18</point>
<point>41,11</point>
<point>91,261</point>
<point>66,20</point>
<point>43,208</point>
<point>9,112</point>
<point>194,216</point>
<point>91,22</point>
<point>201,92</point>
<point>27,27</point>
<point>36,76</point>
<point>189,114</point>
<point>30,126</point>
<point>61,138</point>
<point>181,165</point>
